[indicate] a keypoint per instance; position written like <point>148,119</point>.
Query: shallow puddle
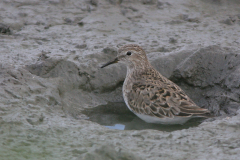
<point>118,116</point>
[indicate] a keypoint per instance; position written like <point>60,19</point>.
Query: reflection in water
<point>118,116</point>
<point>117,126</point>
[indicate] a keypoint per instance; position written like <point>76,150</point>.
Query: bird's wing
<point>160,97</point>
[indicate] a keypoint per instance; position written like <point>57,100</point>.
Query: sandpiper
<point>150,95</point>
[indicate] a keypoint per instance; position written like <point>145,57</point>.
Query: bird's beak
<point>110,62</point>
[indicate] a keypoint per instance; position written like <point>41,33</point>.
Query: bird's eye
<point>129,53</point>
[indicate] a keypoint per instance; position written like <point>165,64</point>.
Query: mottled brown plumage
<point>151,96</point>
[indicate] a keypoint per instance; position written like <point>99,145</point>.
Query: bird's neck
<point>135,69</point>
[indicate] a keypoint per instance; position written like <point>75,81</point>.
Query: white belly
<point>175,120</point>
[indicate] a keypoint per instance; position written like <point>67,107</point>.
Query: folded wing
<point>159,97</point>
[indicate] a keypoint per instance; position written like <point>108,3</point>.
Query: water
<point>118,116</point>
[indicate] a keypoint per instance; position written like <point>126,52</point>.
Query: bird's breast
<point>127,86</point>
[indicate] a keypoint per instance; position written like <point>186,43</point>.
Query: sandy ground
<point>50,54</point>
